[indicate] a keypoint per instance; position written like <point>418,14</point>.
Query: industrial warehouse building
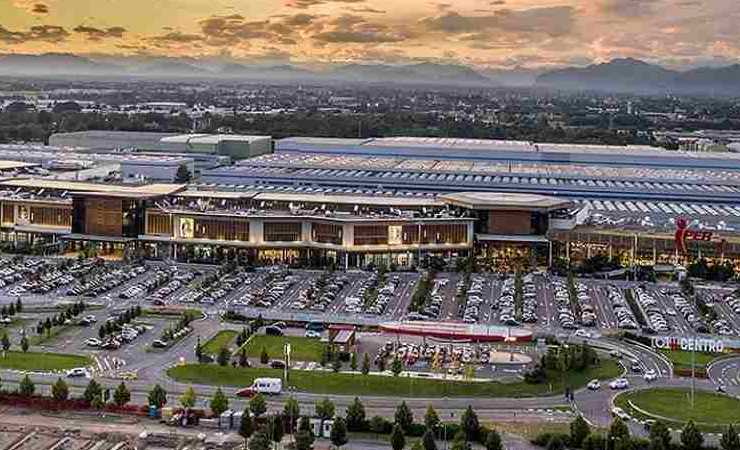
<point>230,145</point>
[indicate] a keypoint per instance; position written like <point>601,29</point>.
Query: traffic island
<point>711,411</point>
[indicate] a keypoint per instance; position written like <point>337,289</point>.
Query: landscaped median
<point>682,361</point>
<point>326,382</point>
<point>301,348</point>
<point>712,412</point>
<point>222,339</point>
<point>42,362</point>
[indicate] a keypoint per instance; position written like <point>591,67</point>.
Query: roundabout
<point>711,411</point>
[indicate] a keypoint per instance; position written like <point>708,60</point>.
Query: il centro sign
<point>688,344</point>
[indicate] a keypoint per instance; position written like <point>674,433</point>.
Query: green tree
<point>729,439</point>
<point>259,441</point>
<point>691,437</point>
<point>157,396</point>
<point>60,390</point>
<point>121,396</point>
<point>618,433</point>
<point>336,364</point>
<point>555,443</point>
<point>365,364</point>
<point>258,405</point>
<point>660,437</point>
<point>5,341</point>
<point>356,416</point>
<point>19,305</point>
<point>198,350</point>
<point>92,391</point>
<point>579,429</point>
<point>398,440</point>
<point>396,366</point>
<point>431,419</point>
<point>275,428</point>
<point>304,437</point>
<point>428,441</point>
<point>188,398</point>
<point>246,426</point>
<point>24,343</point>
<point>183,174</point>
<point>26,388</point>
<point>377,424</point>
<point>243,361</point>
<point>338,433</point>
<point>404,417</point>
<point>264,356</point>
<point>219,402</point>
<point>325,409</point>
<point>459,442</point>
<point>292,410</point>
<point>470,425</point>
<point>223,357</point>
<point>593,441</point>
<point>493,441</point>
<point>353,361</point>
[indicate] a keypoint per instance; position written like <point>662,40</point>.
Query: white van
<point>268,386</point>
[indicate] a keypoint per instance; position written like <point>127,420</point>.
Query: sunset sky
<point>481,33</point>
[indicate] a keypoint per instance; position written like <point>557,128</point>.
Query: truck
<point>267,386</point>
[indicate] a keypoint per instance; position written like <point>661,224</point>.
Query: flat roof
<point>501,200</point>
<point>348,199</point>
<point>77,186</point>
<point>492,145</point>
<point>10,165</point>
<point>212,138</point>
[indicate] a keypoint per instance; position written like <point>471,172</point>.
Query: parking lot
<point>110,290</point>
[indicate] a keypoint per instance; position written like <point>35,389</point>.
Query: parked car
<point>268,386</point>
<point>77,372</point>
<point>594,385</point>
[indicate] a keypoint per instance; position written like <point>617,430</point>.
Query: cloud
<point>174,38</point>
<point>351,28</point>
<point>552,21</point>
<point>304,4</point>
<point>40,8</point>
<point>224,30</point>
<point>97,34</point>
<point>367,10</point>
<point>628,8</point>
<point>36,33</point>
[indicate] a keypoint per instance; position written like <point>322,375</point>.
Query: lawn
<point>301,348</point>
<point>711,412</point>
<point>223,338</point>
<point>42,362</point>
<point>321,382</point>
<point>681,358</point>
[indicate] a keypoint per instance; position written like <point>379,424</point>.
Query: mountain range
<point>632,75</point>
<point>618,75</point>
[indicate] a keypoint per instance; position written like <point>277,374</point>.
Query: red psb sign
<point>684,234</point>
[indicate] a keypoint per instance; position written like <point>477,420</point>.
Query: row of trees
<point>94,394</point>
<point>618,437</point>
<point>259,430</point>
<point>69,313</point>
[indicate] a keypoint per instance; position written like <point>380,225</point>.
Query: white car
<point>594,385</point>
<point>582,333</point>
<point>313,334</point>
<point>77,372</point>
<point>619,383</point>
<point>93,342</point>
<point>619,412</point>
<point>650,375</point>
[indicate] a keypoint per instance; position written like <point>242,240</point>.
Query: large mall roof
<point>500,200</point>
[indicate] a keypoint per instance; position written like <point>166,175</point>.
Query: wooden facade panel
<point>510,222</point>
<point>104,216</point>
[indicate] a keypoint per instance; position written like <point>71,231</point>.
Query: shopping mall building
<point>213,224</point>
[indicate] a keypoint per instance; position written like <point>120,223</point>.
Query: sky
<point>480,33</point>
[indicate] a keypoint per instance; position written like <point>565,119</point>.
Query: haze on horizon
<point>480,33</point>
